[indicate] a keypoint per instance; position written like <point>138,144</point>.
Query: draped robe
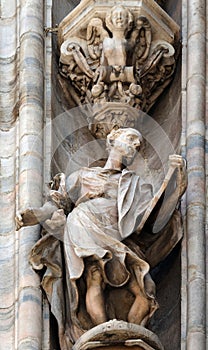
<point>107,207</point>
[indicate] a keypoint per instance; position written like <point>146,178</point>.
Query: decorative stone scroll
<point>123,52</point>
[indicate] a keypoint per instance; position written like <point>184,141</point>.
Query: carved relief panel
<point>118,53</point>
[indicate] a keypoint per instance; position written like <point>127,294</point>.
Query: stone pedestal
<point>114,335</point>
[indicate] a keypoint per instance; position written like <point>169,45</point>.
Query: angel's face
<point>119,18</point>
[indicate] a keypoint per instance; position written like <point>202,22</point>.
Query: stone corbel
<point>103,60</point>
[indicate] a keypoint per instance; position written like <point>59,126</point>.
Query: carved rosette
<point>108,116</point>
<point>115,53</point>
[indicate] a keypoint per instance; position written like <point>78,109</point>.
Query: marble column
<point>196,203</point>
<point>31,108</point>
<point>8,115</point>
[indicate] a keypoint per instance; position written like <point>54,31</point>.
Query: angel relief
<point>118,61</point>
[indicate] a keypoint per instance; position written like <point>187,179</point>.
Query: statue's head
<point>125,141</point>
<point>119,18</point>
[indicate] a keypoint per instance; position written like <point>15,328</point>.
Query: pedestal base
<point>118,335</point>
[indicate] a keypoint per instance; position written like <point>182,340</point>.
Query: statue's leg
<point>94,297</point>
<point>140,308</point>
<point>144,303</point>
<point>149,285</point>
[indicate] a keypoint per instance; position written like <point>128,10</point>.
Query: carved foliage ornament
<point>117,59</point>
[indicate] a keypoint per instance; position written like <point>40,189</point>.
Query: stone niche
<point>165,110</point>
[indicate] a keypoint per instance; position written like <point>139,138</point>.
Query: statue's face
<point>119,18</point>
<point>127,144</point>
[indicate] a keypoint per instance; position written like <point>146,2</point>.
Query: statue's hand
<point>55,225</point>
<point>18,221</point>
<point>176,161</point>
<point>26,218</point>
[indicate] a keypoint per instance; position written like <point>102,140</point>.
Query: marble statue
<point>95,268</point>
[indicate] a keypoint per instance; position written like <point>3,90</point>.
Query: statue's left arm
<point>171,190</point>
<point>178,163</point>
<point>164,222</point>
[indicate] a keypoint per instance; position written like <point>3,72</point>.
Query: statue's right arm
<point>34,216</point>
<point>56,200</point>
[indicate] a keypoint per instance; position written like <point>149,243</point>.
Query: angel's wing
<point>141,39</point>
<point>160,49</point>
<point>95,36</point>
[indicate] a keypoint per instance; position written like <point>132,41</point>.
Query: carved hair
<point>115,133</point>
<point>130,17</point>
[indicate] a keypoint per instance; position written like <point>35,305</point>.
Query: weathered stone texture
<point>196,255</point>
<point>21,68</point>
<point>8,99</point>
<point>21,172</point>
<point>30,165</point>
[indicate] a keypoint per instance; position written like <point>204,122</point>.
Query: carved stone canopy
<point>76,22</point>
<point>121,52</point>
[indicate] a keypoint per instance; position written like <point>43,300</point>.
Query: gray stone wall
<point>8,241</point>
